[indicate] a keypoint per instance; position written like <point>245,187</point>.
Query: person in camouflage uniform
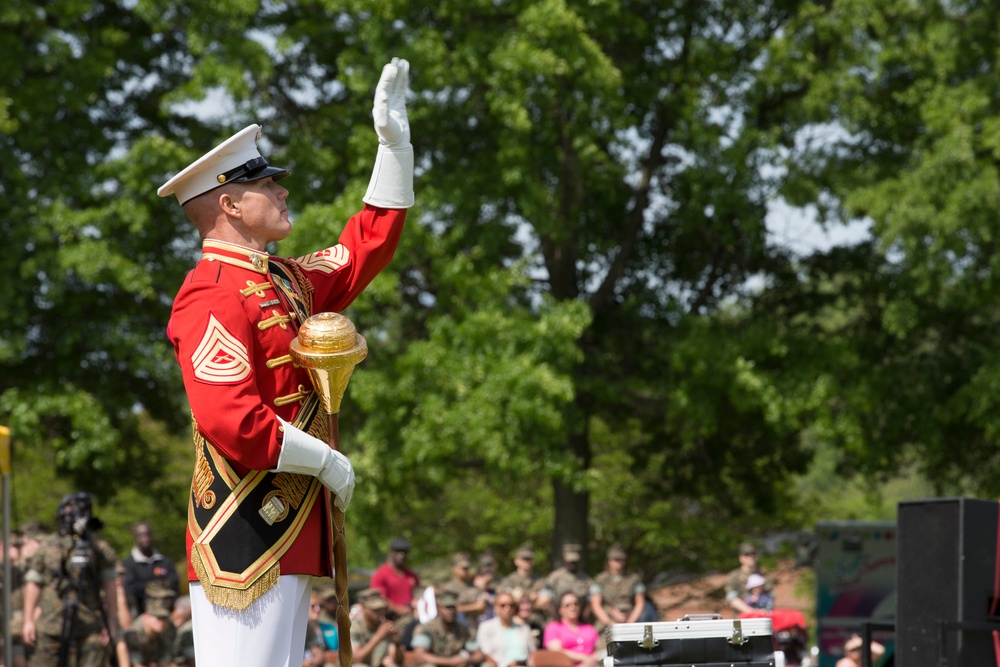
<point>617,597</point>
<point>487,565</point>
<point>485,580</point>
<point>13,554</point>
<point>523,579</point>
<point>72,579</point>
<point>524,582</point>
<point>736,583</point>
<point>184,639</point>
<point>25,546</point>
<point>443,640</point>
<point>151,636</point>
<point>569,578</point>
<point>374,639</point>
<point>471,599</point>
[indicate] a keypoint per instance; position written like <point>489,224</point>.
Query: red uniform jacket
<point>231,335</point>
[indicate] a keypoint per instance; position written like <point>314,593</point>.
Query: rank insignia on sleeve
<point>221,358</point>
<point>327,261</point>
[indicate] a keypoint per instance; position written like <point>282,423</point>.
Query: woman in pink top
<point>576,640</point>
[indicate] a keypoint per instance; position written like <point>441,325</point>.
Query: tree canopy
<point>587,334</point>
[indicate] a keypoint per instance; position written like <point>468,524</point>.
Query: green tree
<point>567,332</point>
<point>592,191</point>
<point>614,154</point>
<point>88,269</point>
<point>903,326</point>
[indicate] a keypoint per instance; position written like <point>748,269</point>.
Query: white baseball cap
<point>235,160</point>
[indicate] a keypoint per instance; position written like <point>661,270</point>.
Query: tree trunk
<point>572,507</point>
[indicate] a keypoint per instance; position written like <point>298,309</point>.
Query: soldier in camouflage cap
<point>374,639</point>
<point>736,583</point>
<point>151,636</point>
<point>471,601</point>
<point>524,582</point>
<point>523,579</point>
<point>73,572</point>
<point>617,597</point>
<point>570,578</point>
<point>445,637</point>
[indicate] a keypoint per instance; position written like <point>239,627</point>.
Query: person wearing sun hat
<point>757,596</point>
<point>853,650</point>
<point>258,522</point>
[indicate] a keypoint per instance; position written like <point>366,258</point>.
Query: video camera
<point>75,519</point>
<point>79,583</point>
<point>75,515</point>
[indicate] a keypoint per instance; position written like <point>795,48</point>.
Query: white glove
<point>392,180</point>
<point>302,453</point>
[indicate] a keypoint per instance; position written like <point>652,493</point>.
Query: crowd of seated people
<point>478,617</point>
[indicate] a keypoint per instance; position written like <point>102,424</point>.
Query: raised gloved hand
<point>391,185</point>
<point>306,455</point>
<point>389,109</point>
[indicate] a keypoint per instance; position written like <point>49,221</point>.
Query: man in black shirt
<point>142,566</point>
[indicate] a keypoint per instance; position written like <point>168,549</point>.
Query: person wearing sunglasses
<point>569,635</point>
<point>505,639</point>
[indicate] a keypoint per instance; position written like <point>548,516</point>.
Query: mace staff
<point>330,347</point>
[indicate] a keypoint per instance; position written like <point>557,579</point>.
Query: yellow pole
<point>4,450</point>
<point>8,650</point>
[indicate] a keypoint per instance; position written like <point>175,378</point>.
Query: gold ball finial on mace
<point>330,347</point>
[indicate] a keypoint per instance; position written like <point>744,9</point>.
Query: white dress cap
<point>234,160</point>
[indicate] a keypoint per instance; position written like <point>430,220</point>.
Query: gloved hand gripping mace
<point>330,347</point>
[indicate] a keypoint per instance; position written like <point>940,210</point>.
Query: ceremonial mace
<point>330,347</point>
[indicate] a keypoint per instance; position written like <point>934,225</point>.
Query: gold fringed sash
<point>236,553</point>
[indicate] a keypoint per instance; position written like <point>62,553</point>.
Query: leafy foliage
<point>904,324</point>
<point>587,333</point>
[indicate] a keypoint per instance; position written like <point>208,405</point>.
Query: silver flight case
<point>702,641</point>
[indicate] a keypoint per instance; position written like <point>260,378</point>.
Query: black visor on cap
<point>252,170</point>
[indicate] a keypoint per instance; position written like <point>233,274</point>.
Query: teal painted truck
<point>855,566</point>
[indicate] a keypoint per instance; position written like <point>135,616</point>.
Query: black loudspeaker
<point>946,558</point>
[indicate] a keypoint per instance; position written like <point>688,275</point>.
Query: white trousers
<point>271,632</point>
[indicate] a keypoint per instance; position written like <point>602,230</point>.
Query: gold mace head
<point>330,347</point>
